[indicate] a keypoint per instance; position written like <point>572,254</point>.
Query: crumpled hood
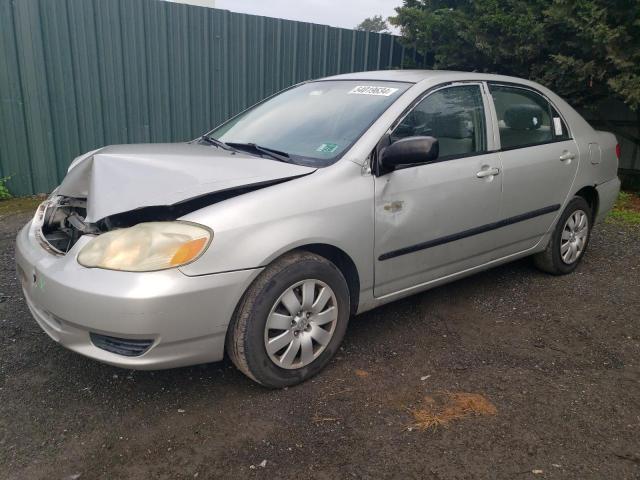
<point>120,178</point>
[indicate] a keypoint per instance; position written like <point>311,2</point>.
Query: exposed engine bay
<point>63,223</point>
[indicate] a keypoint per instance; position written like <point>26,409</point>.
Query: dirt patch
<point>19,205</point>
<point>556,356</point>
<point>440,409</point>
<point>632,202</point>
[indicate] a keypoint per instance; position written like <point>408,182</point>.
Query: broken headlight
<point>146,247</point>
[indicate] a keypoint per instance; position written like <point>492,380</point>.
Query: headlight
<point>146,247</point>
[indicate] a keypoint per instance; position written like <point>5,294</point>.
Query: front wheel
<point>291,320</point>
<point>569,240</point>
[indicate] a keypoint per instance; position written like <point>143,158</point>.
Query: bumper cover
<point>607,196</point>
<point>186,317</point>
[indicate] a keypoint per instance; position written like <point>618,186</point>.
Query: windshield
<point>314,123</point>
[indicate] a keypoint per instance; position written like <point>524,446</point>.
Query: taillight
<point>618,151</point>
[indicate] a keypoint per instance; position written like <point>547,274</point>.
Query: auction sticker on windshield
<point>372,90</point>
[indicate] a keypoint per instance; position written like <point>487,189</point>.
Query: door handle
<point>489,172</point>
<point>566,155</point>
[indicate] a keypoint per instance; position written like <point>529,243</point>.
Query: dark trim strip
<point>469,233</point>
<point>529,145</point>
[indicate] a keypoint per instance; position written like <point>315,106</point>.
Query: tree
<point>601,48</point>
<point>374,24</point>
<point>585,50</point>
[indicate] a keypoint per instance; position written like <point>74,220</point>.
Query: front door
<point>435,219</point>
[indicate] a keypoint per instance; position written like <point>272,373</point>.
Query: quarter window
<point>525,118</point>
<point>560,130</point>
<point>453,115</point>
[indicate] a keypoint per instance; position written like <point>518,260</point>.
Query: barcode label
<point>372,90</point>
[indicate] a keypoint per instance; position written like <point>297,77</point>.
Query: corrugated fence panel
<point>157,45</point>
<point>111,71</point>
<point>35,94</point>
<point>79,74</point>
<point>60,82</point>
<point>15,158</point>
<point>83,45</point>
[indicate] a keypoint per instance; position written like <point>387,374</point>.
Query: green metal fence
<point>79,74</point>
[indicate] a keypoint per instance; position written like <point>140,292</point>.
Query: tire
<point>268,301</point>
<point>555,259</point>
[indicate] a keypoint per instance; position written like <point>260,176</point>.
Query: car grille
<point>121,346</point>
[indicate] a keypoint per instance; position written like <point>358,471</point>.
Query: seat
<point>524,125</point>
<point>454,134</point>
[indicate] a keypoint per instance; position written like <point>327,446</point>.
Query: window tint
<point>455,116</point>
<point>523,117</point>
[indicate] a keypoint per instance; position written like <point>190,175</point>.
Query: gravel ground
<point>558,357</point>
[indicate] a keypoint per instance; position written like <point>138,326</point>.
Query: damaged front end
<point>124,185</point>
<point>61,221</point>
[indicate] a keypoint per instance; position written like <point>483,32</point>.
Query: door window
<point>525,118</point>
<point>453,115</point>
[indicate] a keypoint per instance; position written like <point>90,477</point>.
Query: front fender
<point>332,206</point>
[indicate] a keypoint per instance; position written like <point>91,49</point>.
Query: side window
<point>454,115</point>
<point>524,117</point>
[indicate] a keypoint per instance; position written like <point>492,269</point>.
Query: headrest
<point>451,126</point>
<point>524,117</point>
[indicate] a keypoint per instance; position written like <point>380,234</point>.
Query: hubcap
<point>574,237</point>
<point>301,324</point>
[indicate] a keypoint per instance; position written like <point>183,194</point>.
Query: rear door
<point>539,160</point>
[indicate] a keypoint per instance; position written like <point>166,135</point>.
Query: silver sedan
<point>262,237</point>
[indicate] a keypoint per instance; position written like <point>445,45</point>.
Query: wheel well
<point>344,263</point>
<point>590,194</point>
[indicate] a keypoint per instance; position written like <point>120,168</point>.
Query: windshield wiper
<point>215,142</point>
<point>275,154</point>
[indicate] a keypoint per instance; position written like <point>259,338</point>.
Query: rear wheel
<point>291,320</point>
<point>569,240</point>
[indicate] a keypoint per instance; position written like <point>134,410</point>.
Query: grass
<point>626,209</point>
<point>4,191</point>
<point>19,205</point>
<point>446,407</point>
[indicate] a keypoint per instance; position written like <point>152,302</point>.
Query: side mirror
<point>409,151</point>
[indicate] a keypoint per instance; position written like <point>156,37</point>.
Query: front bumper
<point>185,317</point>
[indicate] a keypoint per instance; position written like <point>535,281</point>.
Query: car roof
<point>412,76</point>
<point>416,76</point>
<point>433,78</point>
